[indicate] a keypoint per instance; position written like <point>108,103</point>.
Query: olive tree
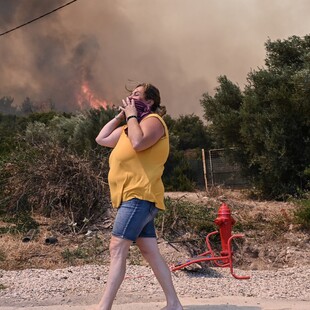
<point>268,122</point>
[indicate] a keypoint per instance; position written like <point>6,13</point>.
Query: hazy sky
<point>181,46</point>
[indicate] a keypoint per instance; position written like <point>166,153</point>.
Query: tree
<point>187,135</point>
<point>9,126</point>
<point>269,122</point>
<point>191,132</point>
<point>6,105</point>
<point>27,107</point>
<point>87,129</point>
<point>223,112</point>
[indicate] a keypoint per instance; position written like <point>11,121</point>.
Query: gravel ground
<point>67,285</point>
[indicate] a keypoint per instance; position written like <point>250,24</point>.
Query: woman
<point>137,161</point>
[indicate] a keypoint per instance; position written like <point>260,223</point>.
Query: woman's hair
<point>152,93</point>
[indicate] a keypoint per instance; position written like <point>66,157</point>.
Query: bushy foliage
<point>191,132</point>
<point>185,220</point>
<point>178,175</point>
<point>186,133</point>
<point>21,222</point>
<point>268,124</point>
<point>87,129</point>
<point>53,164</point>
<point>49,180</point>
<point>302,213</point>
<point>223,111</point>
<point>74,132</point>
<point>13,127</point>
<point>8,130</point>
<point>53,168</point>
<point>6,107</point>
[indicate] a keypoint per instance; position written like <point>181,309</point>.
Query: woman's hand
<point>120,116</point>
<point>129,107</point>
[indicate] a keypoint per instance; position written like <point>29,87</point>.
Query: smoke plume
<point>180,46</point>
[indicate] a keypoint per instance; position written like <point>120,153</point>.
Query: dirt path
<point>219,303</point>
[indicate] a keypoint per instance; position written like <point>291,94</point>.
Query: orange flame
<point>87,98</point>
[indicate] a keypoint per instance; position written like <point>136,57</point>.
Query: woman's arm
<point>147,133</point>
<point>109,134</point>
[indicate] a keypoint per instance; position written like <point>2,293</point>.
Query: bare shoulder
<point>153,119</point>
<point>153,123</point>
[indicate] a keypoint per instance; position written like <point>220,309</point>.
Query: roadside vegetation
<point>53,176</point>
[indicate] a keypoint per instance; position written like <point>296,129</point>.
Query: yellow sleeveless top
<point>138,174</point>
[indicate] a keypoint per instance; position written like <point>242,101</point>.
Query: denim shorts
<point>134,219</point>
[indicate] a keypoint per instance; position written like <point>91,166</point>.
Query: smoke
<point>181,46</point>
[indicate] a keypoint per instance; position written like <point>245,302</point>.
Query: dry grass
<point>19,255</point>
<point>34,254</point>
<point>272,238</point>
<point>71,249</point>
<point>268,228</point>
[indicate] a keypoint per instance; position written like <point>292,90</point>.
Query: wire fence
<point>214,169</point>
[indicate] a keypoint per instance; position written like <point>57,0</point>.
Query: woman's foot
<point>173,307</point>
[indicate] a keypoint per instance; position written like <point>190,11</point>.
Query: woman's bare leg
<point>150,251</point>
<point>118,252</point>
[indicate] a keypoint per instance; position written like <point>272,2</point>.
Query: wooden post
<point>211,168</point>
<point>204,168</point>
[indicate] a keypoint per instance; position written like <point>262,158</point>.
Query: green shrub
<point>20,222</point>
<point>186,222</point>
<point>71,255</point>
<point>51,180</point>
<point>178,176</point>
<point>302,214</point>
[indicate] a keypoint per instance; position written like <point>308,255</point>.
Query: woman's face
<point>138,94</point>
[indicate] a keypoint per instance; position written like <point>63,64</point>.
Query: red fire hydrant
<point>225,223</point>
